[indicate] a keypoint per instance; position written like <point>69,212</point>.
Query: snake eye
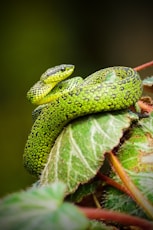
<point>62,68</point>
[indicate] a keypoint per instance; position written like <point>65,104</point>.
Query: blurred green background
<point>36,35</point>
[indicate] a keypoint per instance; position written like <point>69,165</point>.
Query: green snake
<point>62,100</point>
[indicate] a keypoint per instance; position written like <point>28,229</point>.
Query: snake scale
<point>62,100</point>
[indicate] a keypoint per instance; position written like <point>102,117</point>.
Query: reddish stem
<point>143,66</point>
<point>121,218</point>
<point>113,183</point>
<point>142,105</point>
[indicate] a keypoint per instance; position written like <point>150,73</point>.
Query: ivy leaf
<point>40,208</point>
<point>79,150</point>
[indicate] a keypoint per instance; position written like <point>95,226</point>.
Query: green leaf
<point>136,156</point>
<point>116,200</point>
<point>148,81</point>
<point>79,150</point>
<point>40,208</point>
<point>84,191</point>
<point>147,124</point>
<point>97,225</point>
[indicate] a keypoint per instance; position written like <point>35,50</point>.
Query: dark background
<point>36,35</point>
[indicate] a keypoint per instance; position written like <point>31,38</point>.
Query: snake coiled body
<point>109,89</point>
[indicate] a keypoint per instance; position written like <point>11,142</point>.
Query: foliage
<point>70,177</point>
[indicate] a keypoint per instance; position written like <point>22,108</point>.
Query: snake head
<point>57,73</point>
<point>48,80</point>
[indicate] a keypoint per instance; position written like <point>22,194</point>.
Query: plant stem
<point>143,66</point>
<point>121,218</point>
<point>113,183</point>
<point>141,200</point>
